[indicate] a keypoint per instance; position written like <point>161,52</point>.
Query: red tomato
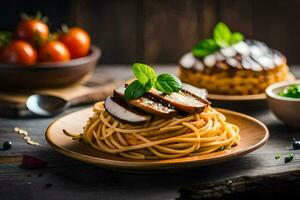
<point>19,52</point>
<point>77,40</point>
<point>34,31</point>
<point>53,51</point>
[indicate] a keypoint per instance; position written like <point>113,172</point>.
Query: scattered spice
<point>28,175</point>
<point>6,145</point>
<point>30,162</point>
<point>25,134</point>
<point>277,156</point>
<point>40,175</point>
<point>228,182</point>
<point>289,158</point>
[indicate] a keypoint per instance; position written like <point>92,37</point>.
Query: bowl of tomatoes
<point>32,58</point>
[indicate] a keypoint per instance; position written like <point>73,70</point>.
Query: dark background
<point>160,31</point>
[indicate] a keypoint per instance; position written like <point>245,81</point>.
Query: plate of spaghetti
<point>155,123</point>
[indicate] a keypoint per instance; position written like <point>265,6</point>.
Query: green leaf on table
<point>204,48</point>
<point>143,73</point>
<point>134,90</point>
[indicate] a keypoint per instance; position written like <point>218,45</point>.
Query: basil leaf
<point>134,90</point>
<point>204,48</point>
<point>149,85</point>
<point>236,37</point>
<point>143,73</point>
<point>168,83</point>
<point>222,34</point>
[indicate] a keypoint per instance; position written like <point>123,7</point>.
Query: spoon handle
<point>93,94</point>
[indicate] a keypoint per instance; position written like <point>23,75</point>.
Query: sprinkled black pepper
<point>6,145</point>
<point>48,185</point>
<point>296,144</point>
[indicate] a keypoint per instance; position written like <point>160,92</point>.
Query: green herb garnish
<point>277,156</point>
<point>222,37</point>
<point>143,73</point>
<point>222,34</point>
<point>5,38</point>
<point>167,83</point>
<point>204,48</point>
<point>236,37</point>
<point>289,158</point>
<point>292,91</point>
<point>147,79</point>
<point>134,90</point>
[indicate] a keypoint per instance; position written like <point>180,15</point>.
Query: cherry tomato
<point>35,31</point>
<point>53,51</point>
<point>77,40</point>
<point>19,52</point>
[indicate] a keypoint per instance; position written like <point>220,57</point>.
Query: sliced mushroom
<point>124,114</point>
<point>154,107</point>
<point>146,104</point>
<point>199,92</point>
<point>182,100</point>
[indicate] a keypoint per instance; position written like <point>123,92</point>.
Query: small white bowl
<point>285,108</point>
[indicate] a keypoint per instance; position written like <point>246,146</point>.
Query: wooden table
<point>65,178</point>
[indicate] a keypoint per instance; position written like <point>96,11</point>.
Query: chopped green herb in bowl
<point>292,91</point>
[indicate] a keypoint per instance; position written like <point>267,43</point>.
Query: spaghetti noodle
<point>160,138</point>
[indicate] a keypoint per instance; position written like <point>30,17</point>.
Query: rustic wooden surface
<point>71,179</point>
<point>161,31</point>
<point>269,186</point>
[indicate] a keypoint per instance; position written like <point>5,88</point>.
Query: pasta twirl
<point>160,138</point>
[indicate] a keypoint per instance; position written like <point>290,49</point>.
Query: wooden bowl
<point>47,75</point>
<point>286,109</point>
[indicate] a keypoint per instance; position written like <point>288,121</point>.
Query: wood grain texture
<point>163,22</point>
<point>112,25</point>
<point>161,31</point>
<point>75,180</point>
<point>238,15</point>
<point>270,186</point>
<point>207,17</point>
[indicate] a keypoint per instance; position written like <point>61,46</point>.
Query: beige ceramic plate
<point>255,97</point>
<point>253,135</point>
